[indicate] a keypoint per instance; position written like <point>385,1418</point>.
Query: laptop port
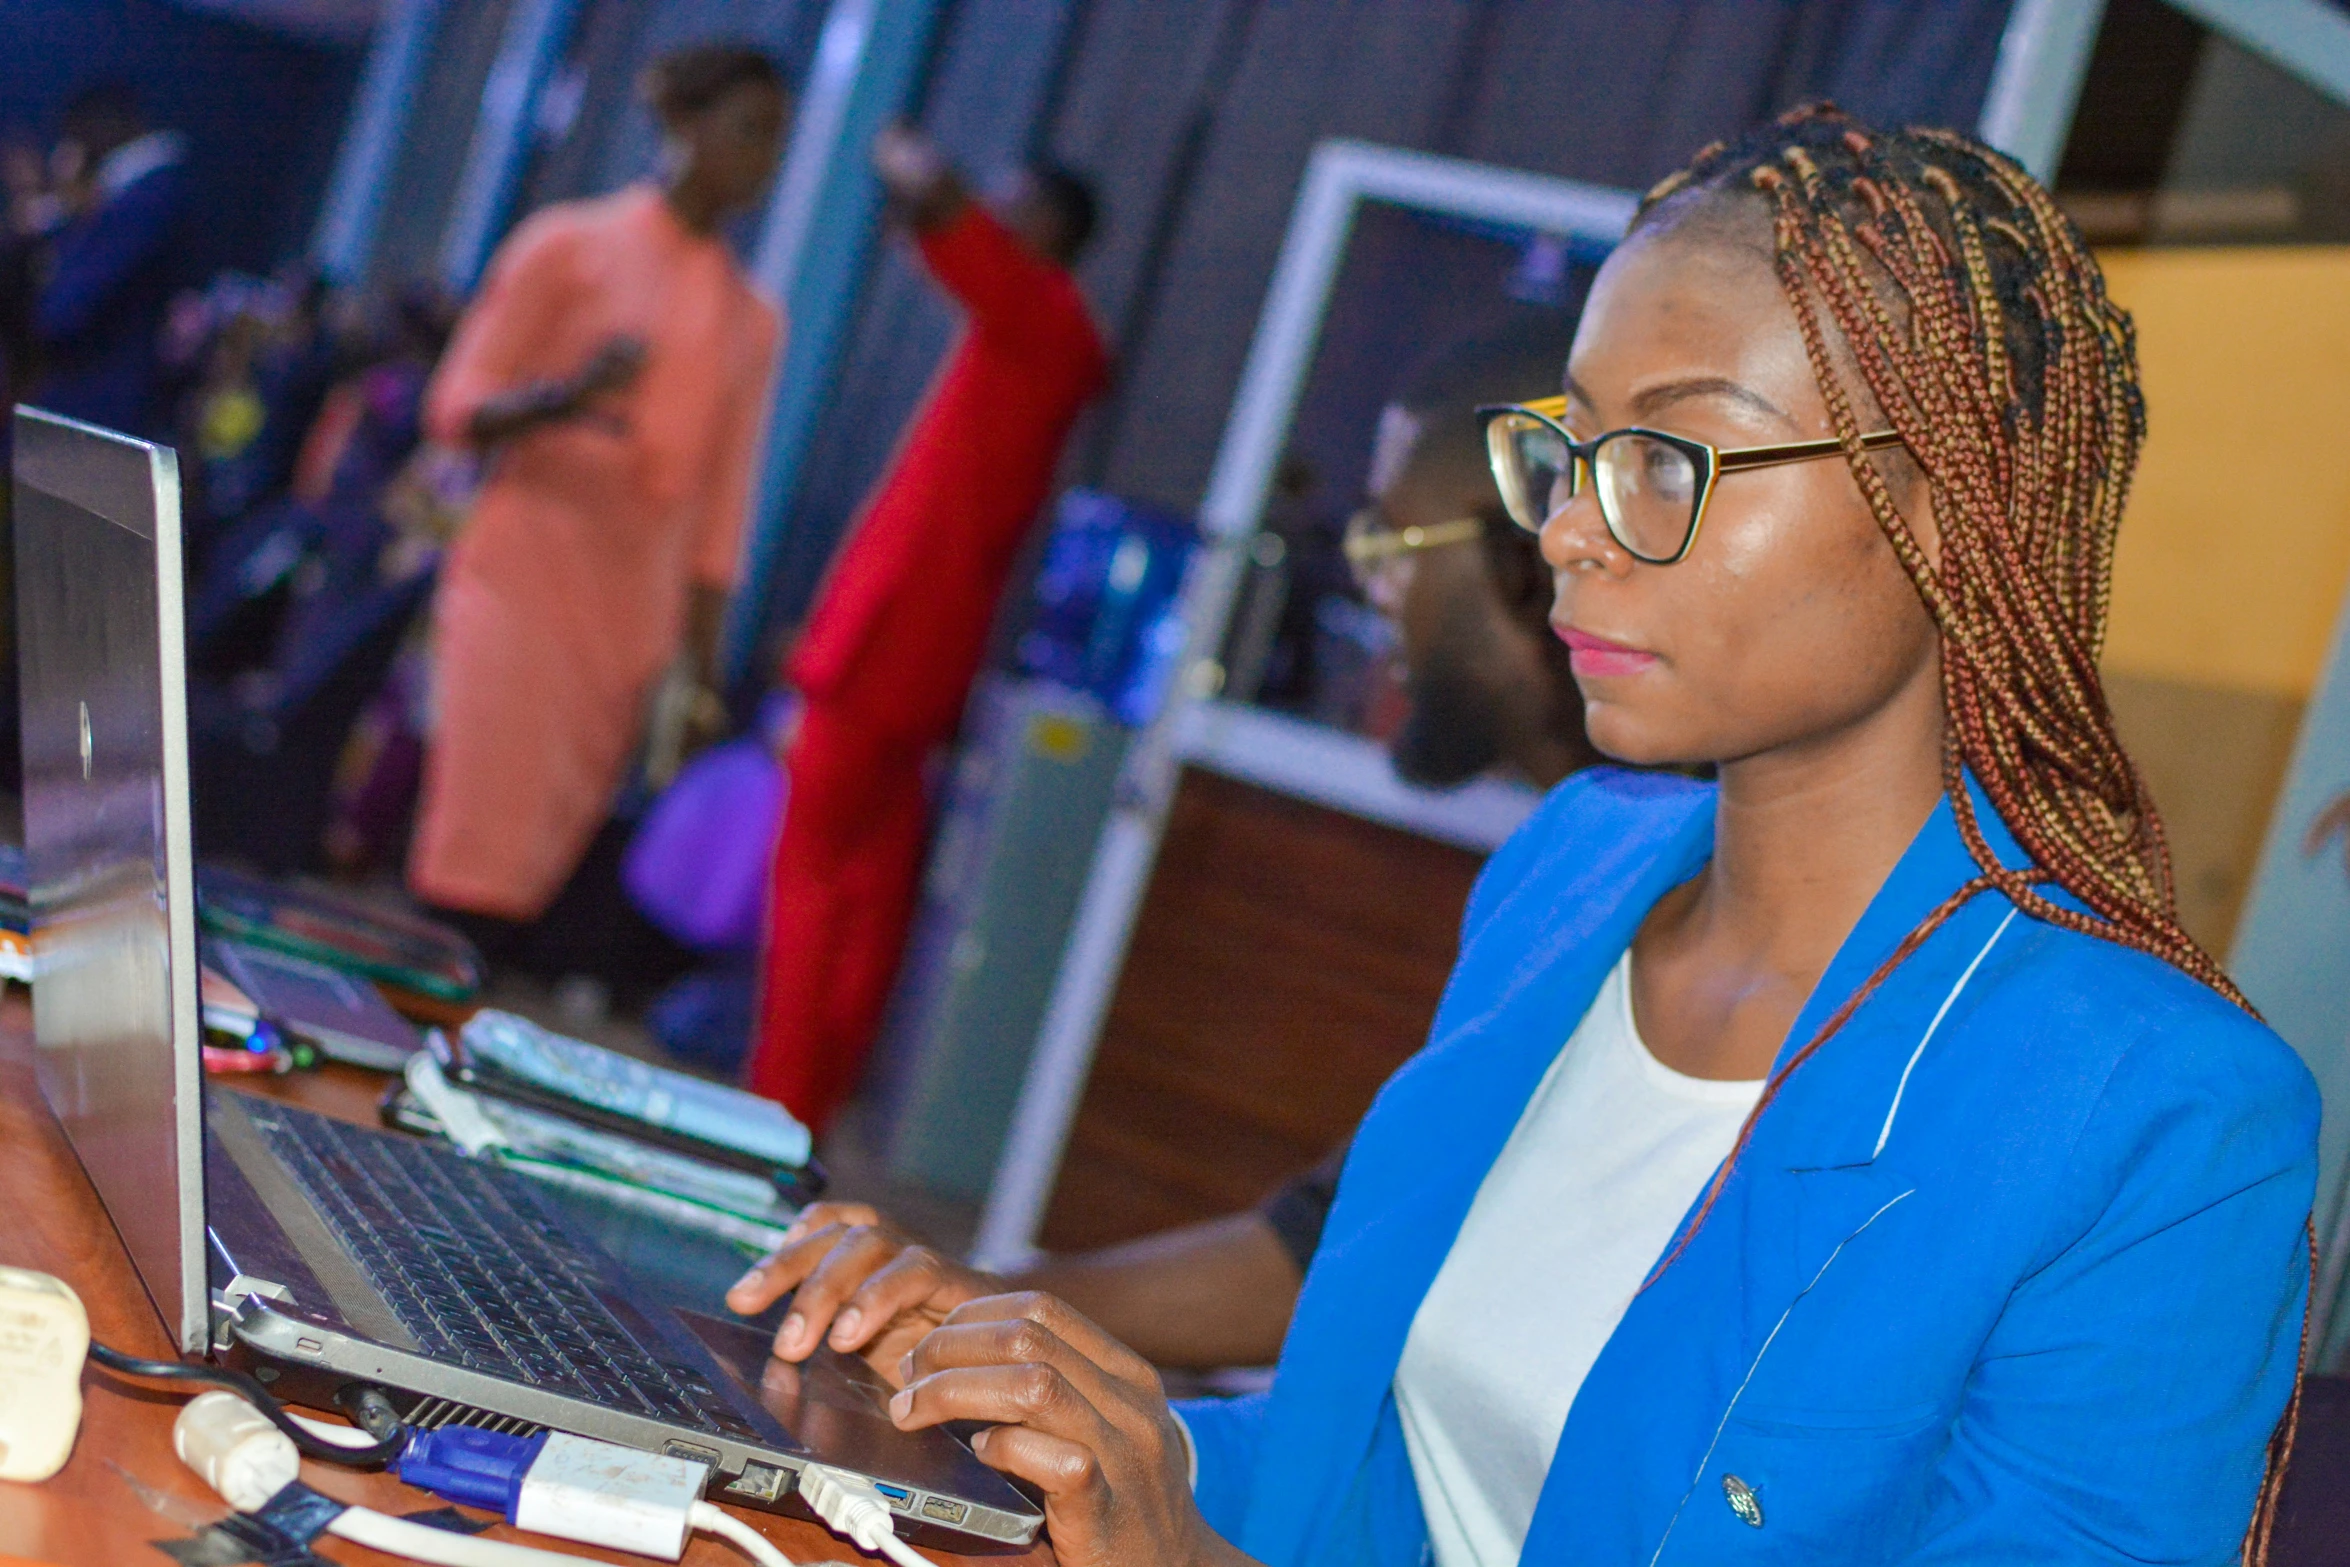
<point>896,1493</point>
<point>760,1482</point>
<point>944,1511</point>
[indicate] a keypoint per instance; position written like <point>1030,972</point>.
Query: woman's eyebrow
<point>1653,400</point>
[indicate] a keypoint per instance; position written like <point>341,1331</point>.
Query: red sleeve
<point>1006,286</point>
<point>530,287</point>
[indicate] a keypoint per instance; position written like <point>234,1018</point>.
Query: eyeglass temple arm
<point>1387,543</point>
<point>1727,458</point>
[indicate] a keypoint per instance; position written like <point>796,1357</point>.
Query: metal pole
<point>535,35</point>
<point>2304,38</point>
<point>344,241</point>
<point>2043,56</point>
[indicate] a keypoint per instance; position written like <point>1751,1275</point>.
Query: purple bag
<point>698,864</point>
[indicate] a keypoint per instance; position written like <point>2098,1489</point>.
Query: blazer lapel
<point>1810,1180</point>
<point>1849,1086</point>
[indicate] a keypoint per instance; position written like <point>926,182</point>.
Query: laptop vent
<point>433,1413</point>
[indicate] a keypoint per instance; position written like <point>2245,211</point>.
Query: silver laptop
<point>328,1257</point>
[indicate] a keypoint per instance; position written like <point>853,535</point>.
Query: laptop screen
<point>104,720</point>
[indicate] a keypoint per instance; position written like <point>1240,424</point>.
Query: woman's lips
<point>1597,657</point>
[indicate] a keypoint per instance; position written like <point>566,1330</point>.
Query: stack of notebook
<point>314,925</point>
<point>696,1154</point>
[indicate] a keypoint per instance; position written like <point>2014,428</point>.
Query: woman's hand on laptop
<point>864,1285</point>
<point>1075,1413</point>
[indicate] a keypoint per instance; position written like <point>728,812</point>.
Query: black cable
<point>386,1447</point>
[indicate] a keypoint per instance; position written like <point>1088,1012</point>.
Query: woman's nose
<point>1576,538</point>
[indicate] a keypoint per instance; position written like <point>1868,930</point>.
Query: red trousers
<point>840,897</point>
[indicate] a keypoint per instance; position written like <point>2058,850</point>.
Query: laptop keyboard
<point>482,1281</point>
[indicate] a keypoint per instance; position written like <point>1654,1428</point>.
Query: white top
<point>1609,1155</point>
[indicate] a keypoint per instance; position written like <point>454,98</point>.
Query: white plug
<point>237,1452</point>
<point>44,1335</point>
<point>852,1505</point>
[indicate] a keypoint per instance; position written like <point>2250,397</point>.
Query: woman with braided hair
<point>1850,1160</point>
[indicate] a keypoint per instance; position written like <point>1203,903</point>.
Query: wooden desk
<point>89,1513</point>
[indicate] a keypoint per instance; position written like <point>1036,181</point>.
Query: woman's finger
<point>1066,1324</point>
<point>1060,1468</point>
<point>917,1278</point>
<point>886,1352</point>
<point>823,1215</point>
<point>1032,1394</point>
<point>780,1270</point>
<point>851,1258</point>
<point>1020,1342</point>
<point>785,1266</point>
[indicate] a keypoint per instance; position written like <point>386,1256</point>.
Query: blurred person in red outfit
<point>900,627</point>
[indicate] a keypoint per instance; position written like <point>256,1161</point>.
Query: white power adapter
<point>44,1335</point>
<point>600,1494</point>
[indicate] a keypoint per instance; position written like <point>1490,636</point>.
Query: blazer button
<point>1743,1501</point>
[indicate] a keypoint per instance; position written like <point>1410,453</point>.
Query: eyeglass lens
<point>1648,494</point>
<point>1531,465</point>
<point>1647,487</point>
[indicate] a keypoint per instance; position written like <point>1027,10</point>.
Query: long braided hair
<point>1978,321</point>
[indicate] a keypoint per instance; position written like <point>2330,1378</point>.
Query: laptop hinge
<point>228,1303</point>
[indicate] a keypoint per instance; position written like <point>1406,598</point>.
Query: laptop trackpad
<point>838,1409</point>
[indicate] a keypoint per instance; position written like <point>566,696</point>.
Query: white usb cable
<point>851,1505</point>
<point>718,1521</point>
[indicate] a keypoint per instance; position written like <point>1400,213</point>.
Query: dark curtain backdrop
<point>1196,121</point>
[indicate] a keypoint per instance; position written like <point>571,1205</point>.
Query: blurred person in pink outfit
<point>613,374</point>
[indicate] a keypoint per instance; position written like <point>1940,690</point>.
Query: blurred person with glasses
<point>1485,682</point>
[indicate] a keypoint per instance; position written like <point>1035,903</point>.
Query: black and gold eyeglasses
<point>1652,487</point>
<point>1373,544</point>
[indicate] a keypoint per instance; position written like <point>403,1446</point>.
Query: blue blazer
<point>2013,1269</point>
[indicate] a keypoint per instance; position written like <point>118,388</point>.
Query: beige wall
<point>2236,546</point>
